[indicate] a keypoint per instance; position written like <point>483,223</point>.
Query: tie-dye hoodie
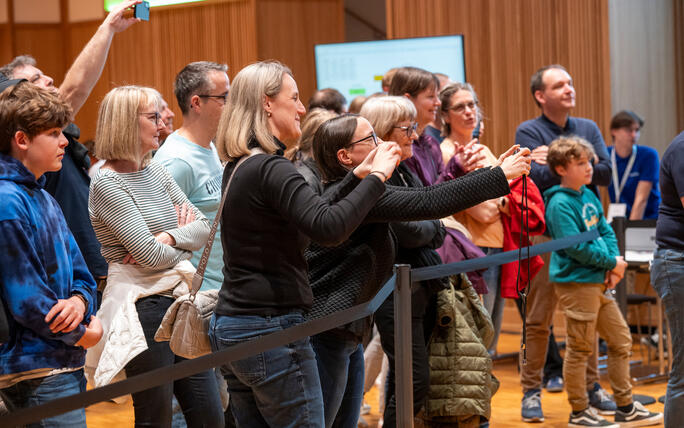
<point>569,212</point>
<point>39,263</point>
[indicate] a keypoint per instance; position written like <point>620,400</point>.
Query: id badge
<point>616,210</point>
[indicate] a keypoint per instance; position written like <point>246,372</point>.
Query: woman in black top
<point>354,271</point>
<point>269,217</point>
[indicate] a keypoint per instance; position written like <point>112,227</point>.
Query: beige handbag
<point>186,323</point>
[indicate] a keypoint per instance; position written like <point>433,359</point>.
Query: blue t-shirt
<point>645,169</point>
<point>198,172</point>
<point>670,226</point>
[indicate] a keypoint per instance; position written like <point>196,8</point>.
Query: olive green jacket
<point>461,380</point>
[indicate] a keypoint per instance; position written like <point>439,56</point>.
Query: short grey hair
<point>17,62</point>
<point>193,79</point>
<point>384,113</point>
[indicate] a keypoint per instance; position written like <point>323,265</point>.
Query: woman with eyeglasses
<point>148,230</point>
<point>270,216</point>
<point>355,270</point>
<point>460,115</point>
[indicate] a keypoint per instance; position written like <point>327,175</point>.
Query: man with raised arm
<point>69,186</point>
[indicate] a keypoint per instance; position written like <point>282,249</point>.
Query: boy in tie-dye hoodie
<point>47,293</point>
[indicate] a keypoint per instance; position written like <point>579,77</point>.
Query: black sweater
<point>269,217</point>
<point>354,271</point>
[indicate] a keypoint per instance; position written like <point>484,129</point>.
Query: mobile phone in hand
<point>476,131</point>
<point>142,11</point>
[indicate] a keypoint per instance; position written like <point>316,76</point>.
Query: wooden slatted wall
<point>506,41</point>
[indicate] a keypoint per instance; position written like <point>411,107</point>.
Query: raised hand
<point>116,20</point>
<point>515,162</point>
<point>386,159</point>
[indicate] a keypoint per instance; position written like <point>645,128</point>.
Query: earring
<point>268,113</point>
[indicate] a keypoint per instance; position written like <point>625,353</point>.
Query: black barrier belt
<point>190,367</point>
<point>243,350</point>
<point>433,272</point>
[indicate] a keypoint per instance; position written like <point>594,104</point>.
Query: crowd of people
<point>320,204</point>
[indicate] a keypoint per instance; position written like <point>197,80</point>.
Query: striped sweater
<point>128,209</point>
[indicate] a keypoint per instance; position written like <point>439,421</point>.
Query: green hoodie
<point>569,212</point>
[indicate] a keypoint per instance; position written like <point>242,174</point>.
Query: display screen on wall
<point>357,68</point>
<point>109,4</point>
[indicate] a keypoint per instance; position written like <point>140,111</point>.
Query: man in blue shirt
<point>189,154</point>
<point>635,168</point>
<point>553,90</point>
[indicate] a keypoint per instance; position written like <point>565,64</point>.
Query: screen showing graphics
<point>357,68</point>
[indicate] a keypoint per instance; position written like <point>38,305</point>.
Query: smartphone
<point>142,11</point>
<point>476,131</point>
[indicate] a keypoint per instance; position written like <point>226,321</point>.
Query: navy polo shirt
<point>541,131</point>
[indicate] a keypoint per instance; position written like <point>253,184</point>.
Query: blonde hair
<point>384,113</point>
<point>244,117</point>
<point>117,136</point>
<point>563,150</point>
<point>313,119</point>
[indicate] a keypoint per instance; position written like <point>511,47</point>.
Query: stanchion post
<point>619,224</point>
<point>403,359</point>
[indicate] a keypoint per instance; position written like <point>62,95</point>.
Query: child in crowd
<point>45,287</point>
<point>584,277</point>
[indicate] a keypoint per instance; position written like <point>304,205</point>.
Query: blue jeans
<point>277,388</point>
<point>667,277</point>
<point>197,395</point>
<point>33,392</point>
<point>341,369</point>
<point>493,300</point>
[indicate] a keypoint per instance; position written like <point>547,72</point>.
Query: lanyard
<point>625,175</point>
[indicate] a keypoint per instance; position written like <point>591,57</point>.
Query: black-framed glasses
<point>153,116</point>
<point>460,108</point>
<point>371,136</point>
<point>223,97</point>
<point>408,129</point>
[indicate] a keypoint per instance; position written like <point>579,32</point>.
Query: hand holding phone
<point>142,11</point>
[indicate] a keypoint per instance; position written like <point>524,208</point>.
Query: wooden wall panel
<point>505,42</point>
<point>643,67</point>
<point>5,43</point>
<point>79,35</point>
<point>678,12</point>
<point>287,30</point>
<point>45,43</point>
<point>151,53</point>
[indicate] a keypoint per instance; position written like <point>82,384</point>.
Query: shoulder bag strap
<point>201,267</point>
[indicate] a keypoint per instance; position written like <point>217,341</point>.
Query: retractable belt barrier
<point>243,350</point>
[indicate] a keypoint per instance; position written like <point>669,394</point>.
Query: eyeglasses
<point>223,97</point>
<point>408,129</point>
<point>373,136</point>
<point>153,116</point>
<point>460,108</point>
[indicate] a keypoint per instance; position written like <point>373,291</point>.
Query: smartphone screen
<point>142,11</point>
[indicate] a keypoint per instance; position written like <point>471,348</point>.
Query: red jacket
<point>511,227</point>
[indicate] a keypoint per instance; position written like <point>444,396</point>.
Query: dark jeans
<point>341,369</point>
<point>667,277</point>
<point>197,395</point>
<point>33,392</point>
<point>279,387</point>
<point>422,323</point>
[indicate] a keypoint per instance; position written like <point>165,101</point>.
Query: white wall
<point>643,68</point>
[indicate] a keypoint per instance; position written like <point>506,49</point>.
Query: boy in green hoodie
<point>584,277</point>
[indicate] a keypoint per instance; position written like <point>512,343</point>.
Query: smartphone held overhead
<point>142,11</point>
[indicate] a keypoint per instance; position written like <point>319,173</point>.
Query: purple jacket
<point>427,164</point>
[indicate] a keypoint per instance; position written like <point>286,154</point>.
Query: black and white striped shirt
<point>127,210</point>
